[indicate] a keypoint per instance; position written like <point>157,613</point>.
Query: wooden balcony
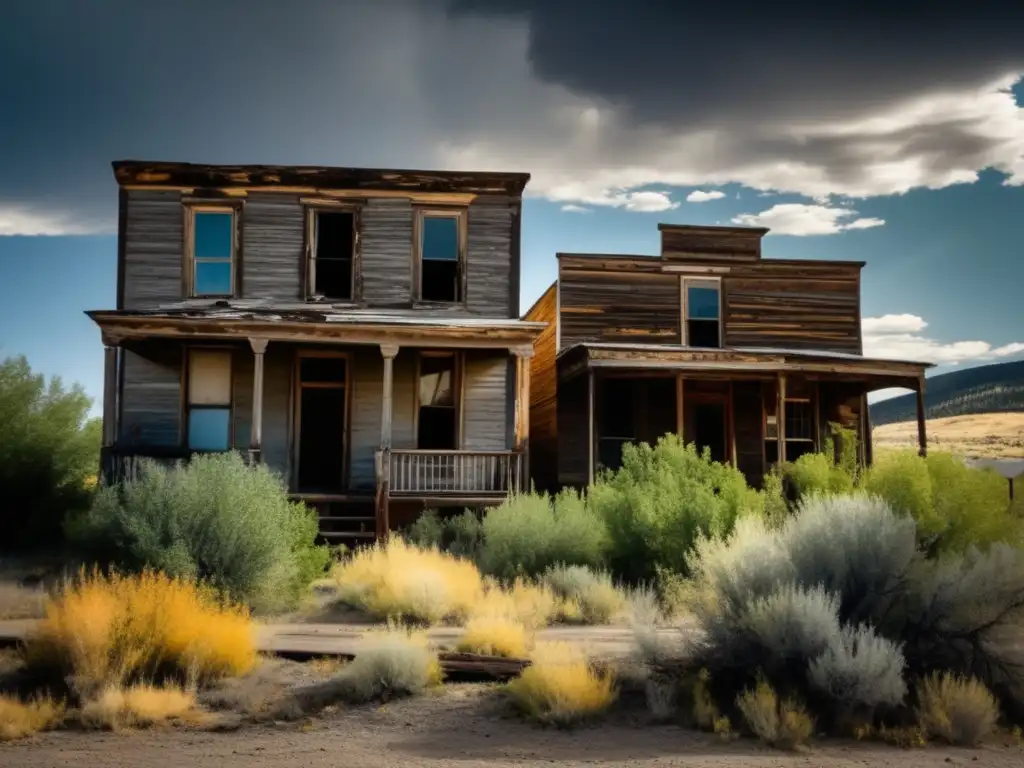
<point>460,474</point>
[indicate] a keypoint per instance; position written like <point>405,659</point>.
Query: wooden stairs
<point>349,521</point>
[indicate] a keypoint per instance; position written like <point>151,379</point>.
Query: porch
<point>357,429</point>
<point>749,408</point>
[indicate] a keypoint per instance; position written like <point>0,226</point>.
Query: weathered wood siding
<point>278,373</point>
<point>748,429</point>
<point>618,305</point>
<point>151,397</point>
<point>489,263</point>
<point>273,238</point>
<point>386,252</point>
<point>364,416</point>
<point>709,244</point>
<point>153,255</point>
<point>544,393</point>
<point>573,432</point>
<point>812,305</point>
<point>485,401</point>
<point>242,364</point>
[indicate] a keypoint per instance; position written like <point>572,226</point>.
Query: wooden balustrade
<point>454,473</point>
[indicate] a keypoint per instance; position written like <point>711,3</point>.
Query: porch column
<point>259,348</point>
<point>590,426</point>
<point>780,416</point>
<point>922,437</point>
<point>522,412</point>
<point>110,351</point>
<point>389,352</point>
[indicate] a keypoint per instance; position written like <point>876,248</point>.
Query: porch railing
<point>453,473</point>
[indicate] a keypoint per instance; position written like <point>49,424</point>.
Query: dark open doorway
<point>322,413</point>
<point>706,427</point>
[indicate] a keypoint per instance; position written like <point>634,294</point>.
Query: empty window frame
<point>800,428</point>
<point>437,422</point>
<point>209,400</point>
<point>212,245</point>
<point>440,255</point>
<point>332,237</point>
<point>702,309</point>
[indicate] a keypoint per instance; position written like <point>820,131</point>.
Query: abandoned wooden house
<point>357,330</point>
<point>749,358</point>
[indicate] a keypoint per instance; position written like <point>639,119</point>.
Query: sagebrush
<point>215,519</point>
<point>390,663</point>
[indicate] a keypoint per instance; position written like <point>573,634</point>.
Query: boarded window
<point>436,428</point>
<point>213,247</point>
<point>702,314</point>
<point>209,400</point>
<point>331,270</point>
<point>440,258</point>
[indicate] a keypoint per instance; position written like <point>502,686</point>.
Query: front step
<point>351,523</point>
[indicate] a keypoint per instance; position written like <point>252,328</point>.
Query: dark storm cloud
<point>690,64</point>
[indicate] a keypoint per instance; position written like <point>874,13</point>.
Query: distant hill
<point>985,389</point>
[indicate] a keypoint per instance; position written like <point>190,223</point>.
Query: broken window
<point>332,254</point>
<point>213,250</point>
<point>209,400</point>
<point>437,426</point>
<point>440,252</point>
<point>701,304</point>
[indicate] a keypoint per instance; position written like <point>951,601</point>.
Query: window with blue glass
<point>703,321</point>
<point>440,251</point>
<point>213,251</point>
<point>209,400</point>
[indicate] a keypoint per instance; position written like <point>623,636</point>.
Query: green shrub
<point>661,500</point>
<point>818,473</point>
<point>955,506</point>
<point>593,592</point>
<point>529,533</point>
<point>427,530</point>
<point>49,451</point>
<point>461,535</point>
<point>390,664</point>
<point>214,518</point>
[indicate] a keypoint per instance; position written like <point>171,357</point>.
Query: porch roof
<point>299,322</point>
<point>741,360</point>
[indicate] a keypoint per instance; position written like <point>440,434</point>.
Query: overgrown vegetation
<point>561,686</point>
<point>215,519</point>
<point>138,706</point>
<point>49,452</point>
<point>116,630</point>
<point>955,709</point>
<point>24,718</point>
<point>391,663</point>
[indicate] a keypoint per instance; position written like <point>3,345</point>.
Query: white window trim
<point>191,210</point>
<point>702,281</point>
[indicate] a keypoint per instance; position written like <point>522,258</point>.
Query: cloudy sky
<point>896,138</point>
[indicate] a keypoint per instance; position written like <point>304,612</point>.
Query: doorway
<point>322,414</point>
<point>707,426</point>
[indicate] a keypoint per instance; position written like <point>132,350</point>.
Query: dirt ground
<point>465,726</point>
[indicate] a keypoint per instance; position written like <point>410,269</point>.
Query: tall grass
<point>139,705</point>
<point>561,687</point>
<point>104,630</point>
<point>23,718</point>
<point>403,582</point>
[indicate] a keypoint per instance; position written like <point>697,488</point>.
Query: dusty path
<point>601,642</point>
<point>464,727</point>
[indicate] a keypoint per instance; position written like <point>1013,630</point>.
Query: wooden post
<point>922,437</point>
<point>389,351</point>
<point>259,348</point>
<point>680,413</point>
<point>522,412</point>
<point>109,391</point>
<point>780,416</point>
<point>590,426</point>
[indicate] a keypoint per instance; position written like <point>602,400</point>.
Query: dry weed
<point>959,710</point>
<point>139,706</point>
<point>19,719</point>
<point>561,687</point>
<point>495,636</point>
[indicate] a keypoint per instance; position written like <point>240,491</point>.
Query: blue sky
<point>911,160</point>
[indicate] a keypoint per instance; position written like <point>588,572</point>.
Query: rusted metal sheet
<point>618,307</point>
<point>151,397</point>
<point>485,412</point>
<point>489,257</point>
<point>272,247</point>
<point>386,253</point>
<point>543,393</point>
<point>153,249</point>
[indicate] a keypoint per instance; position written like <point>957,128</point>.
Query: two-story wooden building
<point>750,358</point>
<point>356,330</point>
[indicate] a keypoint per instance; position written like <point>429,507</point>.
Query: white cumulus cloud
<point>573,208</point>
<point>801,219</point>
<point>700,196</point>
<point>17,220</point>
<point>901,337</point>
